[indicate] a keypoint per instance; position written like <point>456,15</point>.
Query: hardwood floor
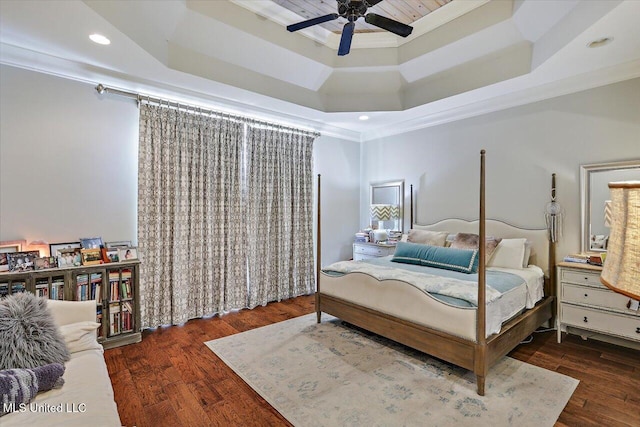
<point>172,379</point>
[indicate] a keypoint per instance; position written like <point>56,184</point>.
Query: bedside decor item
<point>554,213</point>
<point>125,254</point>
<point>91,256</point>
<point>8,247</point>
<point>621,271</point>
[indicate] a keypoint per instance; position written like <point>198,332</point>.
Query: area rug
<point>333,374</point>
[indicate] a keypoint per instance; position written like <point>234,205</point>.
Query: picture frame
<point>22,261</point>
<point>110,255</point>
<point>92,256</point>
<point>9,246</point>
<point>69,257</point>
<point>55,247</point>
<point>91,242</point>
<point>118,244</point>
<point>44,263</point>
<point>126,254</point>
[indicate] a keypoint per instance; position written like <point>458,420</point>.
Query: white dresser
<point>586,305</point>
<point>371,250</point>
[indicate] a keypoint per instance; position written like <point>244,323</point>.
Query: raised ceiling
<point>463,58</point>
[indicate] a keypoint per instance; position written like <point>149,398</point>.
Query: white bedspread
<point>429,283</point>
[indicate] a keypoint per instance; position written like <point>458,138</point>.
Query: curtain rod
<point>100,88</point>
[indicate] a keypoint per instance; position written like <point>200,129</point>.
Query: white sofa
<point>86,398</point>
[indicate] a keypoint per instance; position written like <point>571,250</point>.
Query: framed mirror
<point>594,194</point>
<point>386,200</point>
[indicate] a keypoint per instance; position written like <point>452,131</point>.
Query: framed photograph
<point>68,257</point>
<point>7,247</point>
<point>110,255</point>
<point>120,244</point>
<point>43,263</point>
<point>91,242</point>
<point>54,248</point>
<point>126,254</point>
<point>91,256</point>
<point>22,261</point>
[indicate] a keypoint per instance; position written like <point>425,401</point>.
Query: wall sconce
<point>41,246</point>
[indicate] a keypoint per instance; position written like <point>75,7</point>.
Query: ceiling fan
<point>352,10</point>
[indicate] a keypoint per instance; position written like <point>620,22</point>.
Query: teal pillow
<point>462,260</point>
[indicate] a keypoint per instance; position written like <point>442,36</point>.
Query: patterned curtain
<point>191,226</point>
<point>279,214</point>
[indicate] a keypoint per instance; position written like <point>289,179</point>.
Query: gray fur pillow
<point>28,336</point>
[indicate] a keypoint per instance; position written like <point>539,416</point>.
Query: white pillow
<point>80,336</point>
<point>427,237</point>
<point>509,253</point>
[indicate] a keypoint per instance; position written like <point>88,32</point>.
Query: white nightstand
<point>371,250</point>
<point>585,304</point>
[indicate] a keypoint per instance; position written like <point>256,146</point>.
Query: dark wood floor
<point>172,379</point>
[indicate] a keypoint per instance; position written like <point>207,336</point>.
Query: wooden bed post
<point>551,291</point>
<point>410,206</point>
<point>481,365</point>
<point>318,256</point>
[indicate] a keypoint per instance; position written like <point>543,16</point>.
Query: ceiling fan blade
<point>345,40</point>
<point>372,2</point>
<point>313,21</point>
<point>395,27</point>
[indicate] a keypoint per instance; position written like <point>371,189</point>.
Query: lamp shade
<point>621,271</point>
<point>384,212</point>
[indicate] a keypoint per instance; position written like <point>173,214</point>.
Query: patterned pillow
<point>20,386</point>
<point>427,237</point>
<point>470,241</point>
<point>462,260</point>
<point>28,335</point>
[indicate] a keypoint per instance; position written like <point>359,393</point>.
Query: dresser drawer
<point>583,277</point>
<point>598,297</point>
<point>375,251</point>
<point>593,319</point>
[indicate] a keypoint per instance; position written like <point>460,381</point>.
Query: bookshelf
<point>114,287</point>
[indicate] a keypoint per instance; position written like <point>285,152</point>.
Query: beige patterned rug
<point>332,374</point>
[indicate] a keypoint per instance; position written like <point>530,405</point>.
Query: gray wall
<point>69,159</point>
<point>524,146</point>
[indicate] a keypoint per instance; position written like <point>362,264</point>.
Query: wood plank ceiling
<point>405,11</point>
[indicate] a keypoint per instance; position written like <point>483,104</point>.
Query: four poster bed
<point>472,336</point>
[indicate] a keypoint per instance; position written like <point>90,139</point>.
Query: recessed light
<point>363,117</point>
<point>100,39</point>
<point>600,42</point>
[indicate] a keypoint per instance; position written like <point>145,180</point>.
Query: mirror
<point>594,190</point>
<point>387,205</point>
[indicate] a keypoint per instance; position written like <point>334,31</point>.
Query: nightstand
<point>586,305</point>
<point>371,250</point>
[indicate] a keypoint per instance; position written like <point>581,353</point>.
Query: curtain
<point>279,214</point>
<point>190,215</point>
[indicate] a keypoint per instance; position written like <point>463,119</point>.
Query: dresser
<point>588,308</point>
<point>371,250</point>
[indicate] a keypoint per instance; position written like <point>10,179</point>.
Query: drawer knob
<point>586,278</point>
<point>585,319</point>
<point>586,295</point>
<point>637,330</point>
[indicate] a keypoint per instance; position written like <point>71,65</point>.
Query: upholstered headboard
<point>538,237</point>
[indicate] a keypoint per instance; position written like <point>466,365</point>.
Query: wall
<point>68,160</point>
<point>525,145</point>
<point>68,166</point>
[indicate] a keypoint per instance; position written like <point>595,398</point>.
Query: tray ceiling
<point>464,57</point>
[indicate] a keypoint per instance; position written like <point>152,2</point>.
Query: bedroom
<point>47,88</point>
